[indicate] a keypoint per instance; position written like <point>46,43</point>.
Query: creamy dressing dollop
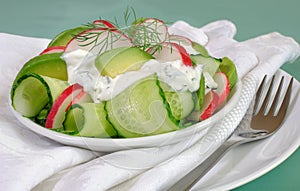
<point>82,70</point>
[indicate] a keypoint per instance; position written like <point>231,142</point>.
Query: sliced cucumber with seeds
<point>140,110</point>
<point>181,103</point>
<point>32,92</point>
<point>88,120</point>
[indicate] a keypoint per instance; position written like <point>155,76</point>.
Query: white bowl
<point>115,144</point>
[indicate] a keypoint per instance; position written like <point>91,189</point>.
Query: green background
<point>46,18</point>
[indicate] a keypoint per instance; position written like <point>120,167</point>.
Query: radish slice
<point>223,87</point>
<point>81,97</point>
<point>102,22</point>
<point>98,40</point>
<point>185,42</point>
<point>171,51</point>
<point>150,31</point>
<point>181,40</point>
<point>53,49</point>
<point>57,113</point>
<point>209,106</point>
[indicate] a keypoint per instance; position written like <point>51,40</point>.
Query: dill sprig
<point>143,33</point>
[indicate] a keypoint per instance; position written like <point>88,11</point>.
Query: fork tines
<point>271,100</point>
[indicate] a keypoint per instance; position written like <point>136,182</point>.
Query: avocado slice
<point>119,60</point>
<point>64,37</point>
<point>199,48</point>
<point>50,65</point>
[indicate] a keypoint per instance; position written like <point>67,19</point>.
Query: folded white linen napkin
<point>31,158</point>
<point>26,158</point>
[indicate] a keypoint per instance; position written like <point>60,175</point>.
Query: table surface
<point>41,18</point>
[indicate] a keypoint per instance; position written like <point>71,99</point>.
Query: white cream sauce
<point>82,70</point>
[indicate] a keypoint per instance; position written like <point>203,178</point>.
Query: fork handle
<point>189,180</point>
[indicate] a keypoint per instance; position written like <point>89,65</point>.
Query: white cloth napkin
<point>27,159</point>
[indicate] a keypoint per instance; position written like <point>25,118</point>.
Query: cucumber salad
<point>106,81</point>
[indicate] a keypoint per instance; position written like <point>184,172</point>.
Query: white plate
<point>115,144</point>
<point>247,162</point>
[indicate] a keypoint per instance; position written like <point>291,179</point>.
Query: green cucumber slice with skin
<point>119,60</point>
<point>50,65</point>
<point>181,103</point>
<point>200,94</point>
<point>140,110</point>
<point>64,37</point>
<point>229,69</point>
<point>88,120</point>
<point>210,64</point>
<point>74,119</point>
<point>32,92</point>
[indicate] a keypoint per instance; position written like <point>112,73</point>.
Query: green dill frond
<point>142,33</point>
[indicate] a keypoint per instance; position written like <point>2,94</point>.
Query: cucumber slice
<point>32,92</point>
<point>200,94</point>
<point>74,119</point>
<point>140,110</point>
<point>181,103</point>
<point>88,120</point>
<point>64,37</point>
<point>228,67</point>
<point>210,64</point>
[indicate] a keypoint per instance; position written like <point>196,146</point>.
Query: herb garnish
<point>143,33</point>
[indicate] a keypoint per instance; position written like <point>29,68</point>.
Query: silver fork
<point>263,124</point>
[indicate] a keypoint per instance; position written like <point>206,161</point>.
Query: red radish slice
<point>156,32</point>
<point>105,39</point>
<point>223,87</point>
<point>82,97</point>
<point>181,40</point>
<point>209,106</point>
<point>57,113</point>
<point>170,52</point>
<point>104,22</point>
<point>53,49</point>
